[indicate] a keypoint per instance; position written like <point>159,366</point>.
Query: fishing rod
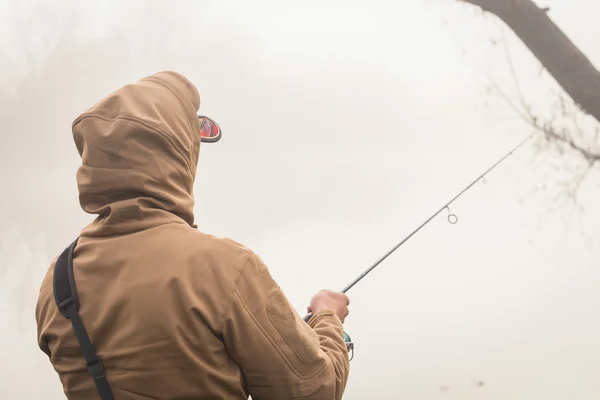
<point>452,218</point>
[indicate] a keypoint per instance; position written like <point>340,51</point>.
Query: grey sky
<point>346,124</point>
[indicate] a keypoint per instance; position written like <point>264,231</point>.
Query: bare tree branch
<point>542,42</point>
<point>556,52</point>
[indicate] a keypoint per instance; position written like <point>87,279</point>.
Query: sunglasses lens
<point>210,131</point>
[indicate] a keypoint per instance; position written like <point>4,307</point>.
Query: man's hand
<point>333,301</point>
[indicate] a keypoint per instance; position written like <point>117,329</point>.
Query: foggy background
<point>345,125</point>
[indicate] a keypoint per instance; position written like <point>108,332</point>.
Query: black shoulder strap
<point>65,295</point>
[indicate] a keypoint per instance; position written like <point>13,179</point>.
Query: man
<point>174,313</point>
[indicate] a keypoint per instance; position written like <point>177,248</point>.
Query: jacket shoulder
<point>185,238</point>
<point>222,244</point>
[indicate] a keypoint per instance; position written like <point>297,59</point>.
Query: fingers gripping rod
<point>451,218</point>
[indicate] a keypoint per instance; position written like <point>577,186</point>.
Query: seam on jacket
<point>235,290</point>
<point>147,124</point>
<point>143,396</point>
<point>270,339</point>
<point>178,101</point>
<point>262,330</point>
<point>270,313</point>
<point>93,225</point>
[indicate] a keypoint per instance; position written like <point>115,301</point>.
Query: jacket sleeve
<point>281,356</point>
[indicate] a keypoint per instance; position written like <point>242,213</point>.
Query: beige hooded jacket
<point>172,312</point>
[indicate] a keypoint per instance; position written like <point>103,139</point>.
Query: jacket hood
<point>139,149</point>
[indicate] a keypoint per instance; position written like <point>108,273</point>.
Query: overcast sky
<point>345,125</point>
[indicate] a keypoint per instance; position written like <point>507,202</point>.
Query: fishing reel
<point>349,345</point>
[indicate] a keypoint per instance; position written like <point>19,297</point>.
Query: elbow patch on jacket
<point>301,338</point>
